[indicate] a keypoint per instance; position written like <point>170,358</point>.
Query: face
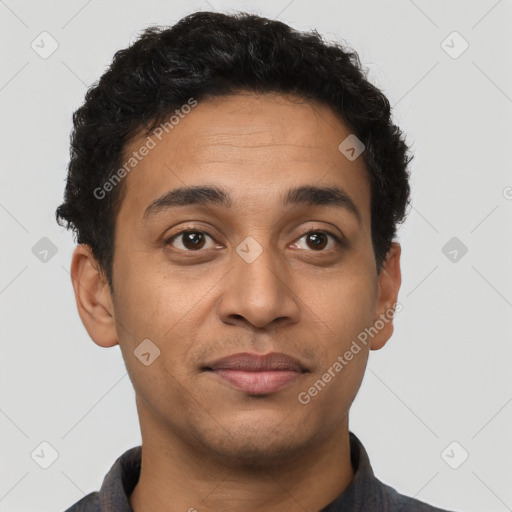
<point>276,257</point>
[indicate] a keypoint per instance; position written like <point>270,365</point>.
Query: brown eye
<point>193,240</point>
<point>190,240</point>
<point>318,240</point>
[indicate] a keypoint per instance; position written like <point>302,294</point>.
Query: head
<point>217,211</point>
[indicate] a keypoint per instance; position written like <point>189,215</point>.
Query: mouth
<point>256,374</point>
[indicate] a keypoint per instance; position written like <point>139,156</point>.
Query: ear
<point>93,297</point>
<point>389,281</point>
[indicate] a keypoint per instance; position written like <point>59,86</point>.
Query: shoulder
<point>400,503</point>
<point>367,493</point>
<point>89,503</point>
<point>117,485</point>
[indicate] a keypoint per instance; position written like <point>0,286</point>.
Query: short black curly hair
<point>209,54</point>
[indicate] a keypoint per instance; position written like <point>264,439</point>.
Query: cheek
<point>346,307</point>
<point>148,309</point>
<point>150,300</point>
<point>161,307</point>
<point>346,301</point>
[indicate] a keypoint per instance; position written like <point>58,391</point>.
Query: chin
<point>258,445</point>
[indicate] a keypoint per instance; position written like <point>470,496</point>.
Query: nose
<point>259,292</point>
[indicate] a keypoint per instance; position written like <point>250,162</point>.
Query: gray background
<point>445,374</point>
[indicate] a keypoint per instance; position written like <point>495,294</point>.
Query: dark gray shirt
<point>364,494</point>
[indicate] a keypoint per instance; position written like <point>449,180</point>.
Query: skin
<point>207,445</point>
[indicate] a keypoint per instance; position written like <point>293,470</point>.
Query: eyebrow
<point>305,195</point>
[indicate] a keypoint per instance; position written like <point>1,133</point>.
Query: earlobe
<point>389,281</point>
<point>93,297</point>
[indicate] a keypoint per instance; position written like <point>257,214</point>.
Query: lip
<point>257,374</point>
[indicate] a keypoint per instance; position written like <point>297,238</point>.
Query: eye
<point>193,240</point>
<point>318,240</point>
<point>190,240</point>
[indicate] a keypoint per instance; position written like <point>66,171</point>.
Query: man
<point>235,188</point>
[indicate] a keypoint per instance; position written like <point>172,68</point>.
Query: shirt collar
<point>120,482</point>
<point>124,475</point>
<point>364,490</point>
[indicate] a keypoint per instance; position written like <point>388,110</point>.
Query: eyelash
<point>192,229</point>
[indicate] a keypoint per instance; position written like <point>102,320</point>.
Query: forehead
<point>257,146</point>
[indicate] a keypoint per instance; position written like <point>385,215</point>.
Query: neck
<point>176,476</point>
